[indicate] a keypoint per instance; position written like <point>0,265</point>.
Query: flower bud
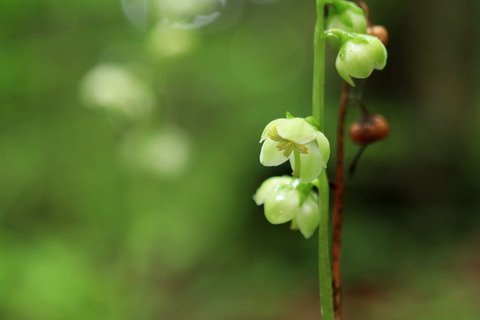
<point>283,207</point>
<point>270,187</point>
<point>380,32</point>
<point>286,199</point>
<point>359,55</point>
<point>370,129</point>
<point>347,16</point>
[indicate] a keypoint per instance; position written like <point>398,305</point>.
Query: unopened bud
<point>359,55</point>
<point>370,129</point>
<point>380,32</point>
<point>347,16</point>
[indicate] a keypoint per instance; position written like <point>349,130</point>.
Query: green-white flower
<point>286,199</point>
<point>296,140</point>
<point>347,16</point>
<point>359,55</point>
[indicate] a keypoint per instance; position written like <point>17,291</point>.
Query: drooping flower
<point>359,55</point>
<point>286,199</point>
<point>296,140</point>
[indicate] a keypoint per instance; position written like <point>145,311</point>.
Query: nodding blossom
<point>296,140</point>
<point>286,199</point>
<point>359,55</point>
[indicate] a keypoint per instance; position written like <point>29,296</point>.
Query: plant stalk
<point>319,66</point>
<point>324,260</point>
<point>338,202</point>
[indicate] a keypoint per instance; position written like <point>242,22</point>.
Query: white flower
<point>359,56</point>
<point>295,139</point>
<point>284,202</point>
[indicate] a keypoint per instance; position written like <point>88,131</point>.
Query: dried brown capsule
<point>380,32</point>
<point>370,129</point>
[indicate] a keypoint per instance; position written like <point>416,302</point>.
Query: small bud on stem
<point>380,32</point>
<point>370,129</point>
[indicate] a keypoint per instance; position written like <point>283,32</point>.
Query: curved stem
<point>338,203</point>
<point>353,165</point>
<point>324,260</point>
<point>364,6</point>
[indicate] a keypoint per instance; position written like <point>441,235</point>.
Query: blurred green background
<point>129,156</point>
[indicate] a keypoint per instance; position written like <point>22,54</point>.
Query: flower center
<point>285,145</point>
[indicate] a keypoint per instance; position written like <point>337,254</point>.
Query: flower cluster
<point>359,54</point>
<point>291,198</point>
<point>300,141</point>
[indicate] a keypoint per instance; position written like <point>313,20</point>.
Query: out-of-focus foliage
<point>127,194</point>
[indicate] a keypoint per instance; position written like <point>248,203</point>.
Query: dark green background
<point>85,234</point>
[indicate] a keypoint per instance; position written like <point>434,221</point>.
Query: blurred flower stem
<point>324,262</point>
<point>338,201</point>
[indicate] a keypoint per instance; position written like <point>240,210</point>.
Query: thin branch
<point>338,203</point>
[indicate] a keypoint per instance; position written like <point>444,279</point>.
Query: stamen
<point>301,148</point>
<point>273,134</point>
<point>286,147</point>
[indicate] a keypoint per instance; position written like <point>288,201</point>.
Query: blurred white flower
<point>164,40</point>
<point>188,7</point>
<point>264,1</point>
<point>137,11</point>
<point>116,89</point>
<point>163,152</point>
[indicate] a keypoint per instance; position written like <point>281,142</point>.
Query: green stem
<point>319,72</point>
<point>319,65</point>
<point>324,260</point>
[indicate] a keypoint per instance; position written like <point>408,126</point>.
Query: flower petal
<point>358,59</point>
<point>270,187</point>
<point>283,208</point>
<point>294,224</point>
<point>311,163</point>
<point>296,130</point>
<point>324,147</point>
<point>308,217</point>
<point>341,67</point>
<point>269,155</point>
<point>269,127</point>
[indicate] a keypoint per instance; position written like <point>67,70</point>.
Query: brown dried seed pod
<point>380,32</point>
<point>370,129</point>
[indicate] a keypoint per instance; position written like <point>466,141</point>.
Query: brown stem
<point>364,6</point>
<point>338,204</point>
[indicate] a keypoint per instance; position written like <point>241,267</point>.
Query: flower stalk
<point>318,100</point>
<point>319,66</point>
